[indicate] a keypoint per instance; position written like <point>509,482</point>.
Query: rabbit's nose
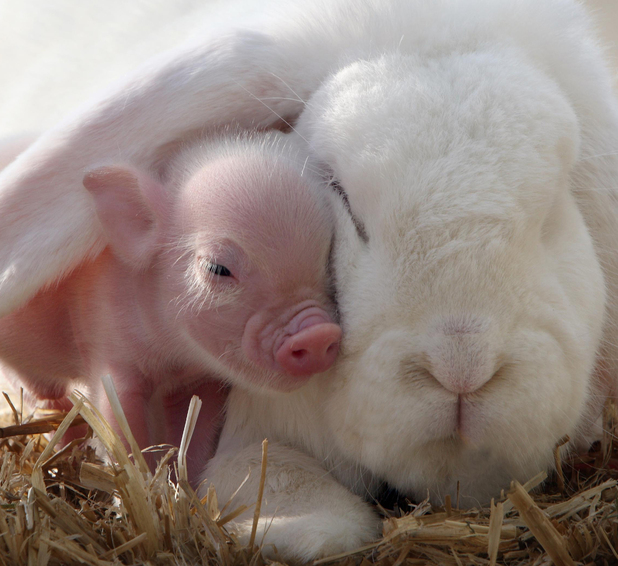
<point>461,369</point>
<point>462,359</point>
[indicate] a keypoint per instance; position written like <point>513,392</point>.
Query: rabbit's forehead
<point>424,143</point>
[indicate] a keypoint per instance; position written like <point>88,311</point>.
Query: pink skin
<point>151,313</point>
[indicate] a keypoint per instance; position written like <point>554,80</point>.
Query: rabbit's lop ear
<point>48,226</point>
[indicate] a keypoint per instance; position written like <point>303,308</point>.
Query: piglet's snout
<point>309,345</point>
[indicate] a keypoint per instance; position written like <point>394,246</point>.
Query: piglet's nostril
<point>333,349</point>
<point>298,354</point>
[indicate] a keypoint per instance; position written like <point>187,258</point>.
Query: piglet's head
<point>239,244</point>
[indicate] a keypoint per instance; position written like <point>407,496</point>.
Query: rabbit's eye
<point>360,227</point>
<point>217,269</point>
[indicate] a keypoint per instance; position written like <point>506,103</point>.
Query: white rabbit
<point>481,176</point>
<point>476,141</point>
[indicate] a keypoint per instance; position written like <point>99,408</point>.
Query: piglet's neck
<point>127,310</point>
<point>151,298</point>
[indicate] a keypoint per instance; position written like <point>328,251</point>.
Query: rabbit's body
<point>483,170</point>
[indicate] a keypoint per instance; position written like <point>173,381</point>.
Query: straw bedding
<point>66,506</point>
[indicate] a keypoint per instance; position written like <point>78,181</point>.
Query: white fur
<point>11,147</point>
<point>476,140</point>
<point>305,512</point>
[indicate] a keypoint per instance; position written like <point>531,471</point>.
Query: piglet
<point>216,275</point>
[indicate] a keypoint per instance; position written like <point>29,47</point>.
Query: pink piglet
<point>215,275</point>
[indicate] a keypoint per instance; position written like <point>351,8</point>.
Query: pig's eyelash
<point>360,227</point>
<point>211,266</point>
<point>217,269</point>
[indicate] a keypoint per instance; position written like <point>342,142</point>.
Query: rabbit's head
<point>470,295</point>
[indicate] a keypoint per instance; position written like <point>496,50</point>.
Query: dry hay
<point>66,506</point>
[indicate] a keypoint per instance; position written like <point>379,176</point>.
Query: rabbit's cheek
<point>511,422</point>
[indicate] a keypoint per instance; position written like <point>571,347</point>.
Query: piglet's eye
<point>217,269</point>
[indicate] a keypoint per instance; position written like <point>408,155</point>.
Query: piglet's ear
<point>127,211</point>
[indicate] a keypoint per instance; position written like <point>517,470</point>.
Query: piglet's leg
<point>135,400</point>
<point>210,421</point>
